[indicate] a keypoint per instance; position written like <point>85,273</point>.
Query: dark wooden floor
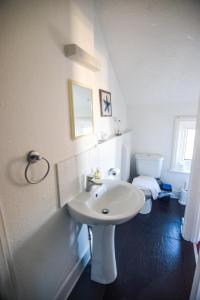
<point>153,261</point>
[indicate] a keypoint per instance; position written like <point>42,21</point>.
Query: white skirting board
<point>66,287</point>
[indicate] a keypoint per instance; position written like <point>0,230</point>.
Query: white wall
<point>35,115</point>
<point>154,47</point>
<point>110,154</point>
<point>152,127</point>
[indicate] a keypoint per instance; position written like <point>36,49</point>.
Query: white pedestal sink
<point>103,266</point>
<point>113,203</point>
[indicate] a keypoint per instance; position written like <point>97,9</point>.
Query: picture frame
<point>105,103</point>
<point>81,109</point>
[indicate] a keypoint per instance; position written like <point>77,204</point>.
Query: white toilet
<point>148,168</point>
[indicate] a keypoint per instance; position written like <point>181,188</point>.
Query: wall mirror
<point>81,109</point>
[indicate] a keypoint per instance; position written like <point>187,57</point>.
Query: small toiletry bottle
<point>97,174</point>
<point>117,126</point>
<point>118,132</point>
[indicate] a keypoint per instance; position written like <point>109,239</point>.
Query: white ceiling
<point>154,46</point>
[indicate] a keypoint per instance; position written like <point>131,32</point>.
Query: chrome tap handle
<point>90,181</point>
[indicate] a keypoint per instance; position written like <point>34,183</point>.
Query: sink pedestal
<point>103,265</point>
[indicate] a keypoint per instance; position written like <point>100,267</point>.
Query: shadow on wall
<point>58,243</point>
<point>133,167</point>
<point>15,171</point>
<point>106,79</point>
<point>46,257</point>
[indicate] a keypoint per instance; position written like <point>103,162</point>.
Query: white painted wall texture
<point>154,46</point>
<point>110,154</point>
<point>35,115</point>
<point>153,127</point>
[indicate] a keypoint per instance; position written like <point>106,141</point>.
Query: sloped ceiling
<point>154,46</point>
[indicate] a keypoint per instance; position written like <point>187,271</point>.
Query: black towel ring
<point>33,157</point>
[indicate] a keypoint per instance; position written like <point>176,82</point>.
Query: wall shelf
<point>113,136</point>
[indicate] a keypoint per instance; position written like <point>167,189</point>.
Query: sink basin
<point>113,203</point>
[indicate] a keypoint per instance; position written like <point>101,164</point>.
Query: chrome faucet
<point>90,181</point>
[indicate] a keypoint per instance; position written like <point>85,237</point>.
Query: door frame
<point>7,274</point>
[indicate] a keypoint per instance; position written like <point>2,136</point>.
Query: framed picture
<point>105,103</point>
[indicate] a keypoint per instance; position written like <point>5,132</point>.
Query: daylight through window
<point>184,135</point>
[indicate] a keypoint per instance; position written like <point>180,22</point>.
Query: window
<point>184,134</point>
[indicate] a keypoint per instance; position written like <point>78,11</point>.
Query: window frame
<point>179,142</point>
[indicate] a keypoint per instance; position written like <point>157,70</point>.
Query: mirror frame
<point>71,108</point>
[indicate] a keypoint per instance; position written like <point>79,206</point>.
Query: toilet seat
<point>147,183</point>
<point>149,186</point>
